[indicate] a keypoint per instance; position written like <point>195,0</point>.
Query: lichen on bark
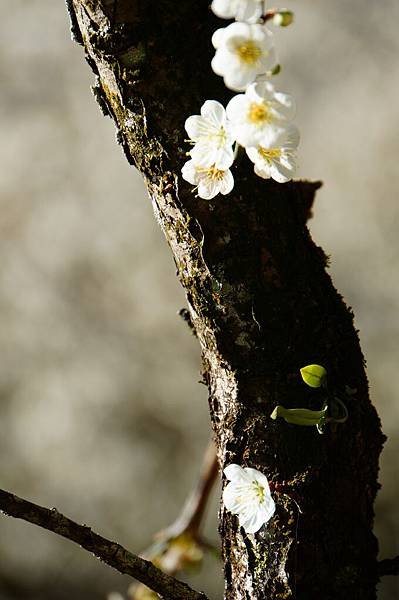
<point>262,305</point>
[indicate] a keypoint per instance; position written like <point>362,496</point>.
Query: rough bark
<point>262,306</point>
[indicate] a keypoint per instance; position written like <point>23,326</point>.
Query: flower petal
<point>281,173</point>
<point>260,90</point>
<point>237,106</point>
<point>189,172</point>
<point>193,126</point>
<point>253,522</point>
<point>212,109</point>
<point>252,153</point>
<point>227,183</point>
<point>241,10</point>
<point>203,154</point>
<point>221,61</point>
<point>207,188</point>
<point>287,105</point>
<point>232,498</point>
<point>236,473</point>
<point>224,159</point>
<point>206,154</point>
<point>224,9</point>
<point>218,37</point>
<point>237,30</point>
<point>269,508</point>
<point>268,60</point>
<point>262,170</point>
<point>249,10</point>
<point>237,78</point>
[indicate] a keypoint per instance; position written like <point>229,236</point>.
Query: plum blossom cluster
<point>258,119</point>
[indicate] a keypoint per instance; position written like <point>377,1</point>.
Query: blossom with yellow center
<point>243,51</point>
<point>249,52</point>
<point>248,496</point>
<point>275,155</point>
<point>258,113</point>
<point>209,181</point>
<point>260,108</point>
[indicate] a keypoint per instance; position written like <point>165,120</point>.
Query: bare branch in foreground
<point>111,553</point>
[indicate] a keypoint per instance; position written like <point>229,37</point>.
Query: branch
<point>261,302</point>
<point>193,511</point>
<point>180,546</point>
<point>111,553</point>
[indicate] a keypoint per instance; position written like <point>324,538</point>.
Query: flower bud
<point>283,18</point>
<point>275,71</point>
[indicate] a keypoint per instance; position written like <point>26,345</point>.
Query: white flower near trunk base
<point>253,113</point>
<point>243,51</point>
<point>212,136</point>
<point>275,155</point>
<point>241,10</point>
<point>248,496</point>
<point>209,181</point>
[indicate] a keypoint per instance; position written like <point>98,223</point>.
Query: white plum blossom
<point>252,113</point>
<point>248,496</point>
<point>241,10</point>
<point>212,136</point>
<point>209,181</point>
<point>243,51</point>
<point>275,155</point>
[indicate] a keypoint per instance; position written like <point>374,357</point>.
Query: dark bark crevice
<point>262,305</point>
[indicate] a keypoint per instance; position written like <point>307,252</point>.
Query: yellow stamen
<point>250,493</point>
<point>269,154</point>
<point>249,52</point>
<point>258,113</point>
<point>259,491</point>
<point>221,136</point>
<point>212,172</point>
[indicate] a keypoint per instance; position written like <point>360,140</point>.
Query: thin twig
<point>111,553</point>
<point>192,514</point>
<point>269,14</point>
<point>174,545</point>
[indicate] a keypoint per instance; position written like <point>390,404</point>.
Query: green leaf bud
<point>300,416</point>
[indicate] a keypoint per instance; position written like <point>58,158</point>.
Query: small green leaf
<point>300,416</point>
<point>314,375</point>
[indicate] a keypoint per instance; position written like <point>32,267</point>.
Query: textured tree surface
<point>262,306</point>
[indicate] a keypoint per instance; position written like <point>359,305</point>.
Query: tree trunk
<point>262,306</point>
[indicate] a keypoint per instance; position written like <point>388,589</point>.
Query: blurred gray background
<point>101,414</point>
